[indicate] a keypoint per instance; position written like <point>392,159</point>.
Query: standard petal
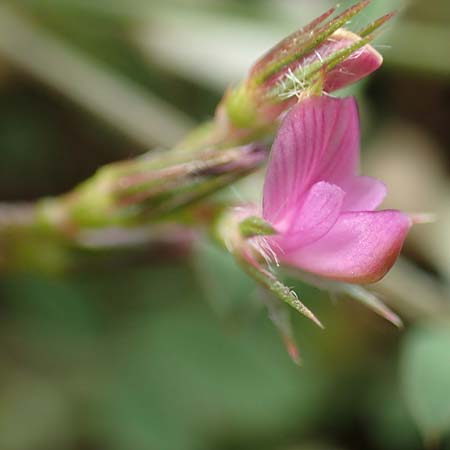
<point>360,248</point>
<point>339,160</point>
<point>364,194</point>
<point>317,141</point>
<point>312,219</point>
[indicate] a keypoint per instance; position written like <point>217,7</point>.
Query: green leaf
<point>425,377</point>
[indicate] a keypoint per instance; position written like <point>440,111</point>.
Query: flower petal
<point>362,63</point>
<point>364,194</point>
<point>318,140</point>
<point>360,248</point>
<point>339,160</point>
<point>311,220</point>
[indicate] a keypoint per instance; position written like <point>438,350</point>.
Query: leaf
<point>425,377</point>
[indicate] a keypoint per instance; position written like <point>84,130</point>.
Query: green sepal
<point>241,108</point>
<point>300,44</point>
<point>372,302</point>
<point>255,226</point>
<point>308,75</point>
<point>375,25</point>
<point>274,285</point>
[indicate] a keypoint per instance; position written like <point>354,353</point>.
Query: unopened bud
<point>321,57</point>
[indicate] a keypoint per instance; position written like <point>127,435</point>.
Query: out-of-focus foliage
<point>426,378</point>
<point>170,347</point>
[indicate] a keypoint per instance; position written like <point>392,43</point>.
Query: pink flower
<point>323,211</point>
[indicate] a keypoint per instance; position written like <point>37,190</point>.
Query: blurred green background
<point>169,347</point>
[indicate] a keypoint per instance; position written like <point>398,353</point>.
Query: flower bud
<point>321,57</point>
<point>143,189</point>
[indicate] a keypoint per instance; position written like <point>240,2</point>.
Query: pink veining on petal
<point>317,141</point>
<point>323,210</point>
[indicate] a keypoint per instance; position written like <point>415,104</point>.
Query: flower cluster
<point>319,216</point>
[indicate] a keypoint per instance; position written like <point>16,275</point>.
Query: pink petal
<point>340,158</point>
<point>364,194</point>
<point>360,248</point>
<point>318,140</point>
<point>312,220</point>
<point>360,64</point>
